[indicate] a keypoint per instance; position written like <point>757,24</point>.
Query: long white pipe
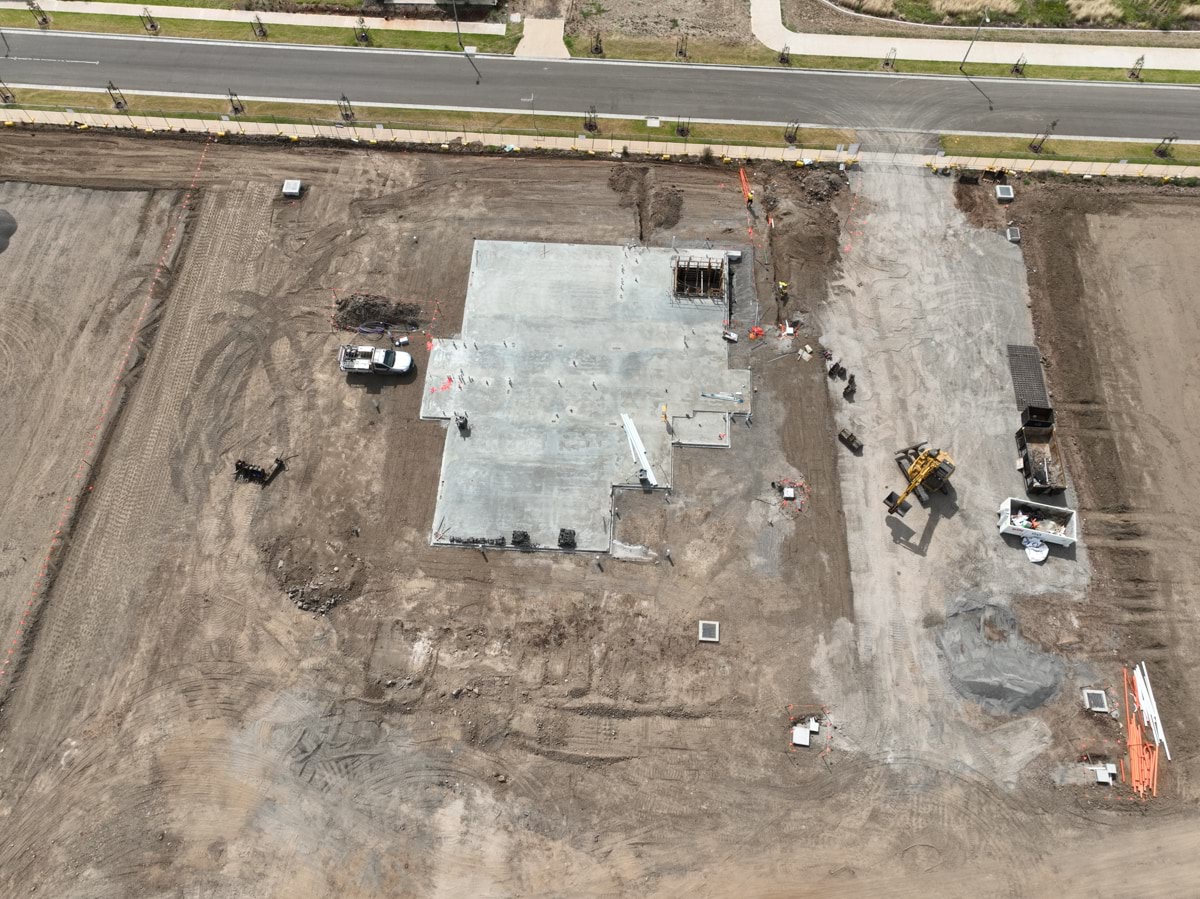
<point>1160,735</point>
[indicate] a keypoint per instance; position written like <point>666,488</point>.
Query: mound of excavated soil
<point>656,206</point>
<point>990,662</point>
<point>360,308</point>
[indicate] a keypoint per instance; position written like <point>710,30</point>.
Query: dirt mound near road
<point>656,206</point>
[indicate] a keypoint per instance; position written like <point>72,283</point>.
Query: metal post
<point>974,39</point>
<point>531,100</point>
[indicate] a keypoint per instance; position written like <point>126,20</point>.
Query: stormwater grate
<point>1029,385</point>
<point>710,632</point>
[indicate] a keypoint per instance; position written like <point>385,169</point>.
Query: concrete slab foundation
<point>558,341</point>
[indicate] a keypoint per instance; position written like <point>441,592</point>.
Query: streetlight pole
<point>533,108</point>
<point>973,40</point>
<point>458,30</point>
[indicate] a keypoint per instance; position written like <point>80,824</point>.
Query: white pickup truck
<point>373,360</point>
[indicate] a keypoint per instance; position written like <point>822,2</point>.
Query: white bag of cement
<point>1035,549</point>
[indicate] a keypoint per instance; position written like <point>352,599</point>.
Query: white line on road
<point>77,62</point>
<point>575,114</point>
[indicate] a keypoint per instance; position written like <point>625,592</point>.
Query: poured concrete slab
<point>558,341</point>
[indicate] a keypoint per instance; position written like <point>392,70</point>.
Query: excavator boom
<point>926,470</point>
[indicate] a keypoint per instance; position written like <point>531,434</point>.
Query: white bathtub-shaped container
<point>1053,524</point>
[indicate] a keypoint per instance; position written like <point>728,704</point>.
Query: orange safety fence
<point>745,184</point>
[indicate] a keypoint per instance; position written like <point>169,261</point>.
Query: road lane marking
<point>77,62</point>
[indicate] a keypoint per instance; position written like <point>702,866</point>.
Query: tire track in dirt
<point>12,663</point>
<point>105,576</point>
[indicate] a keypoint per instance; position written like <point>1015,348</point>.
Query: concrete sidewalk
<point>766,22</point>
<point>543,39</point>
<point>268,18</point>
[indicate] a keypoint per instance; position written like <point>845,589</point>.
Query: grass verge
<point>326,115</point>
<point>281,34</point>
<point>1069,150</point>
<point>738,54</point>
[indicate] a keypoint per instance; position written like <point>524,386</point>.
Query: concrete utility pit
<point>558,341</point>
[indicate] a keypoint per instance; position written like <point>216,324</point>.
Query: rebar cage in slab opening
<point>700,276</point>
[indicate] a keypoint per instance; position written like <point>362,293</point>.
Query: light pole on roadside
<point>533,109</point>
<point>984,20</point>
<point>458,30</point>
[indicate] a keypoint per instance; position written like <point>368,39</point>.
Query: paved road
<point>912,103</point>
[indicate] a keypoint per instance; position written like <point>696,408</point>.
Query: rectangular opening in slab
<point>700,276</point>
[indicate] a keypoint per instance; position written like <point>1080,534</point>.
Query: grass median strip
<point>280,34</point>
<point>1069,150</point>
<point>327,116</point>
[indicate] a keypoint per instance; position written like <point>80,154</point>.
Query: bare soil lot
<point>179,724</point>
<point>1112,277</point>
<point>78,267</point>
<point>505,724</point>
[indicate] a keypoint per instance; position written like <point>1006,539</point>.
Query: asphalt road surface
<point>670,90</point>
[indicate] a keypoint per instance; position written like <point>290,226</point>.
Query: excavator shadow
<point>941,505</point>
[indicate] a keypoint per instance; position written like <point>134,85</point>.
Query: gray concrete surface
<point>922,315</point>
<point>860,100</point>
<point>558,341</point>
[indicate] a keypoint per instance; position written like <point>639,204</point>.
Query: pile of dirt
<point>656,206</point>
<point>360,308</point>
<point>804,240</point>
<point>992,664</point>
<point>978,203</point>
<point>821,184</point>
<point>666,205</point>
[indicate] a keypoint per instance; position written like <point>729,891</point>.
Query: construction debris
<point>356,310</point>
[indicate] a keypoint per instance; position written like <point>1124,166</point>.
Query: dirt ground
<point>515,724</point>
<point>724,20</point>
<point>65,328</point>
<point>1112,277</point>
<point>455,722</point>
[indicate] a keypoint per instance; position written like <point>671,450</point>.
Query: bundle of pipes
<point>1143,755</point>
<point>1149,707</point>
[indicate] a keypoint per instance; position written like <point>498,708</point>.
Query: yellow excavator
<point>926,469</point>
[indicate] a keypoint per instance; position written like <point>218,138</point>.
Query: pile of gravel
<point>991,664</point>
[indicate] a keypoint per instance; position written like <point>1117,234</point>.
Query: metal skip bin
<point>1052,524</point>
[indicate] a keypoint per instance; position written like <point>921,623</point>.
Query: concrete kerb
<point>726,153</point>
